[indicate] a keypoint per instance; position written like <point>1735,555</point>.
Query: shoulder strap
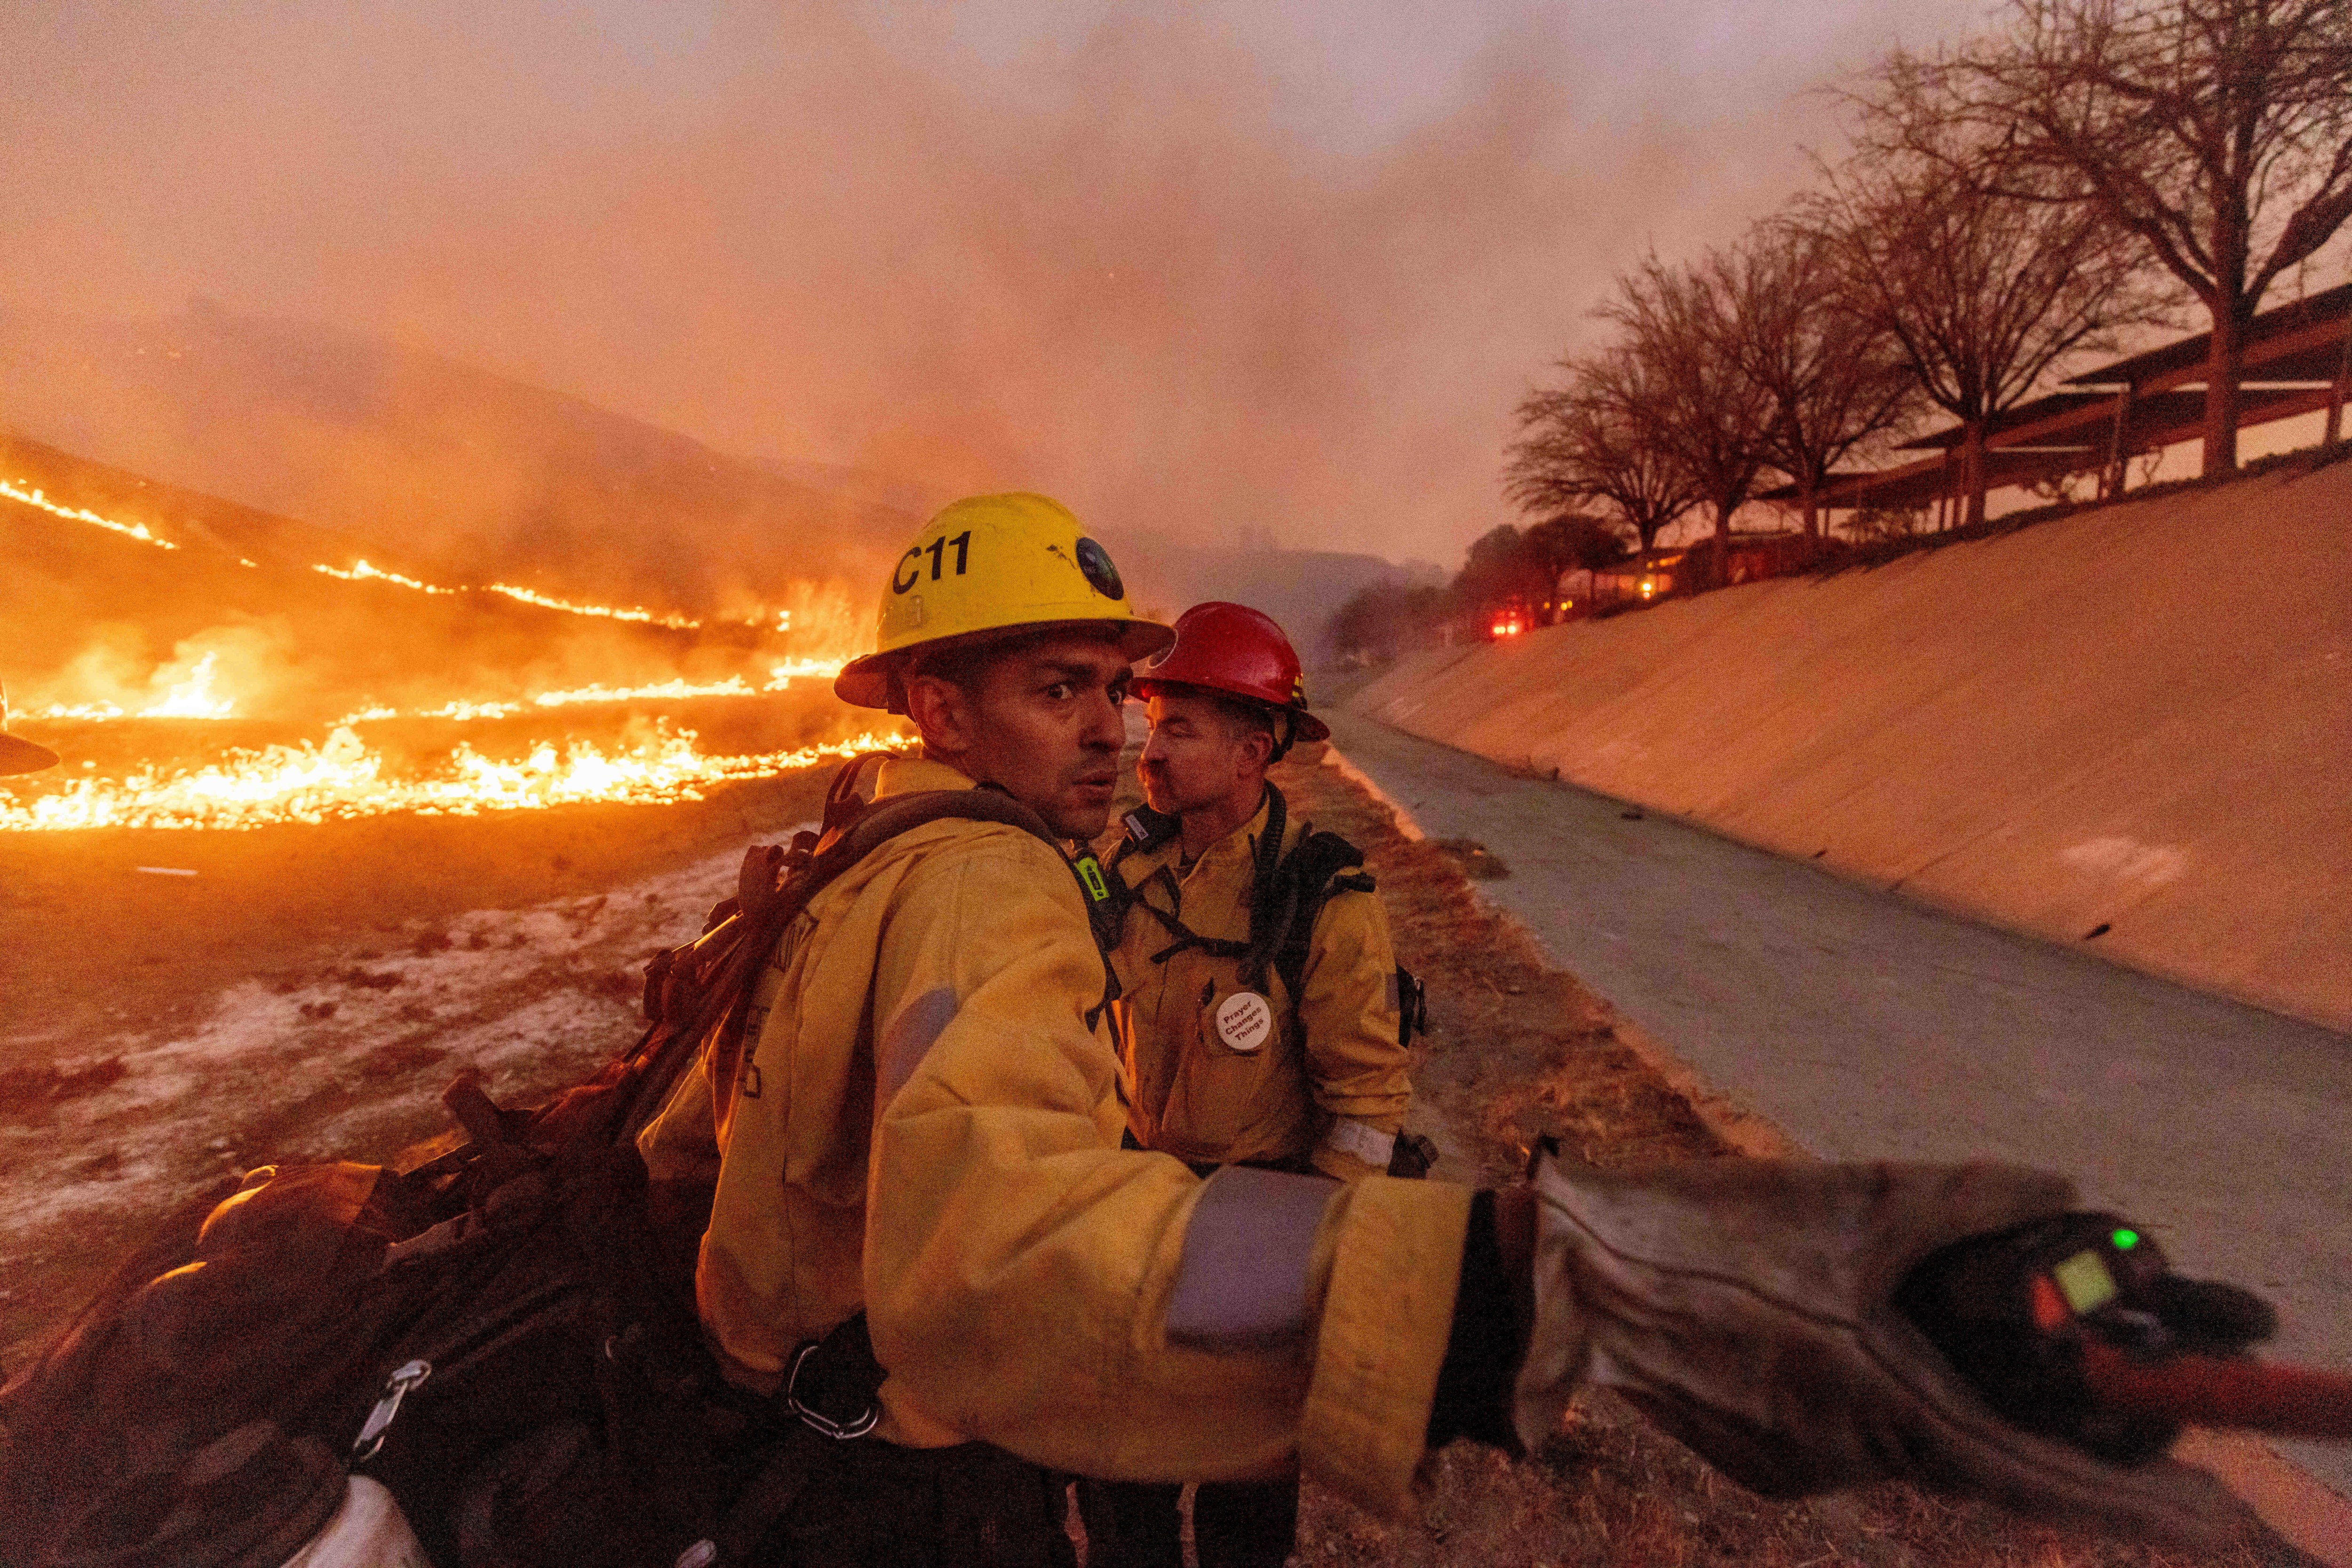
<point>1323,865</point>
<point>1270,899</point>
<point>886,820</point>
<point>883,821</point>
<point>1109,898</point>
<point>842,803</point>
<point>702,991</point>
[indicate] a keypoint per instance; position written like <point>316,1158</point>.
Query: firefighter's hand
<point>1744,1306</point>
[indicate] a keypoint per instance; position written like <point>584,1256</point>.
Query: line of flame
<point>636,613</point>
<point>781,676</point>
<point>192,698</point>
<point>34,497</point>
<point>343,778</point>
<point>361,571</point>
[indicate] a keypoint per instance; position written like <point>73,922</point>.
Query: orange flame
<point>344,778</point>
<point>34,497</point>
<point>781,675</point>
<point>195,697</point>
<point>361,572</point>
<point>682,622</point>
<point>191,698</point>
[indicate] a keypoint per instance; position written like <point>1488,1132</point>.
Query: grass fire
<point>1122,786</point>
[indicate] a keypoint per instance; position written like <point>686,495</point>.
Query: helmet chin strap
<point>1287,737</point>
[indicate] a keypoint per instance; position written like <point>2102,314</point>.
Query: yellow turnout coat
<point>1323,1080</point>
<point>924,1126</point>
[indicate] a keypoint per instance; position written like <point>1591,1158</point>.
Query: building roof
<point>2271,330</point>
<point>2074,431</point>
<point>1647,560</point>
<point>2057,405</point>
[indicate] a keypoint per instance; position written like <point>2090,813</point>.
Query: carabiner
<point>405,1377</point>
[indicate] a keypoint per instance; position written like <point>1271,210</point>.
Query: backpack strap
<point>1147,829</point>
<point>1335,867</point>
<point>842,803</point>
<point>1323,865</point>
<point>1107,897</point>
<point>884,820</point>
<point>702,991</point>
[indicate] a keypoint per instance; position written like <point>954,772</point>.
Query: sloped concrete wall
<point>2138,717</point>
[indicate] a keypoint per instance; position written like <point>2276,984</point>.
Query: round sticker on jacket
<point>1244,1020</point>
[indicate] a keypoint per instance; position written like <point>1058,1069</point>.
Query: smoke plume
<point>1148,260</point>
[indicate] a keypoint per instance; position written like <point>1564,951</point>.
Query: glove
<point>1745,1306</point>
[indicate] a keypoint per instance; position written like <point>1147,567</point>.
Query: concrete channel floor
<point>1867,1026</point>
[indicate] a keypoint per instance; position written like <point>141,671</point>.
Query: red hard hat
<point>1233,649</point>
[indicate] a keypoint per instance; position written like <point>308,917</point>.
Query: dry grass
<point>1516,1050</point>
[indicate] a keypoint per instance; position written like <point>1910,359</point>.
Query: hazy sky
<point>1277,264</point>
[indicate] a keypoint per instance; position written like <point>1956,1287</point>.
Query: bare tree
<point>1682,330</point>
<point>1827,365</point>
<point>1588,441</point>
<point>1982,292</point>
<point>2217,132</point>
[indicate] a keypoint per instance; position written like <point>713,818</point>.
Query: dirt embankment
<point>2132,726</point>
<point>1516,1050</point>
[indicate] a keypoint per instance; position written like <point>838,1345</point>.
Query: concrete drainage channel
<point>1803,1011</point>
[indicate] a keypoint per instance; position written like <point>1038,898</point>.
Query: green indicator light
<point>2126,1241</point>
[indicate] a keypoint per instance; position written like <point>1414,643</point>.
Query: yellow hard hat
<point>989,565</point>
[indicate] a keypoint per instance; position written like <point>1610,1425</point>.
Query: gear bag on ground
<point>484,1335</point>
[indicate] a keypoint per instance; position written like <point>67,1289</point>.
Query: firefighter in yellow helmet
<point>920,1193</point>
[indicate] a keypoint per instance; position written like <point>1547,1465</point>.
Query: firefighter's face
<point>1199,754</point>
<point>1042,720</point>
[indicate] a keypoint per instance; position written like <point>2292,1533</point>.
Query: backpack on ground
<point>480,1334</point>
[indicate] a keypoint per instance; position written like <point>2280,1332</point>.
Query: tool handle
<point>2207,1391</point>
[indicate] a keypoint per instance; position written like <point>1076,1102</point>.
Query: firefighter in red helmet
<point>1240,654</point>
<point>1259,1020</point>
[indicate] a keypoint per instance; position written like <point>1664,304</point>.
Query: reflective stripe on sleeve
<point>910,1036</point>
<point>1242,1283</point>
<point>1366,1143</point>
